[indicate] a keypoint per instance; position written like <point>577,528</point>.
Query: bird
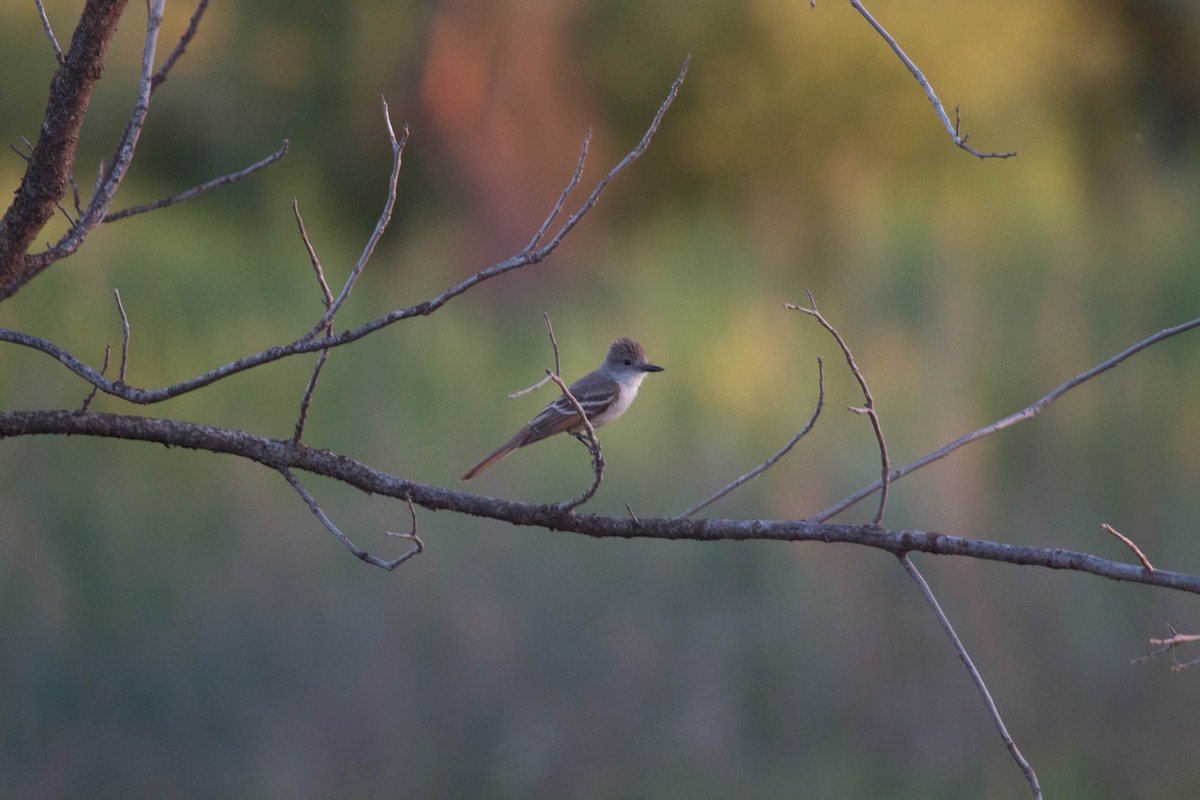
<point>604,394</point>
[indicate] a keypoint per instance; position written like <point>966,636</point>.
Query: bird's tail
<point>519,440</point>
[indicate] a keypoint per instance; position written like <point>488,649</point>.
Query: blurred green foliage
<point>178,625</point>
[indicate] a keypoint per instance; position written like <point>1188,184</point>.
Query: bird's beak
<point>652,368</point>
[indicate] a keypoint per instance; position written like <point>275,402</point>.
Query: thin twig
<point>562,197</point>
<point>976,678</point>
<point>215,183</point>
<point>1129,543</point>
<point>557,370</point>
<point>1027,413</point>
<point>184,40</point>
<point>593,445</point>
<point>124,337</point>
<point>763,467</point>
<point>869,409</point>
<point>58,53</point>
<point>1168,646</point>
<point>363,555</point>
<point>87,401</point>
<point>960,139</point>
<point>327,299</point>
<point>380,226</point>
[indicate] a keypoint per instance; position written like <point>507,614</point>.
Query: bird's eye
<point>628,362</point>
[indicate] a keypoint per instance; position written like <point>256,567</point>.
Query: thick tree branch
<point>277,453</point>
<point>45,181</point>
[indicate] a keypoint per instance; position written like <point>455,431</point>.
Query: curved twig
<point>770,462</point>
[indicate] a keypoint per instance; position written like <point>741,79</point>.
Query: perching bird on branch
<point>603,395</point>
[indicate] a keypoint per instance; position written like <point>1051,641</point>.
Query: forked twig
<point>976,678</point>
<point>363,555</point>
<point>380,226</point>
<point>1027,413</point>
<point>960,139</point>
<point>868,409</point>
<point>1168,645</point>
<point>770,462</point>
<point>327,298</point>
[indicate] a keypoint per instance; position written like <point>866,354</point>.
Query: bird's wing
<point>594,394</point>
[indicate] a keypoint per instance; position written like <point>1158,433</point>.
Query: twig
<point>327,298</point>
<point>215,183</point>
<point>562,197</point>
<point>763,467</point>
<point>1027,413</point>
<point>1129,543</point>
<point>87,401</point>
<point>593,445</point>
<point>869,409</point>
<point>1168,646</point>
<point>380,226</point>
<point>58,53</point>
<point>124,337</point>
<point>411,534</point>
<point>632,515</point>
<point>557,370</point>
<point>976,678</point>
<point>363,555</point>
<point>184,40</point>
<point>960,139</point>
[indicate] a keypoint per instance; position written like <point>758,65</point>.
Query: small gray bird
<point>604,395</point>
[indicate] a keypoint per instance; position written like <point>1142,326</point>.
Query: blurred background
<point>175,624</point>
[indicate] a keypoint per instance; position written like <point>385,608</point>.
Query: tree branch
<point>276,453</point>
<point>1027,413</point>
<point>954,129</point>
<point>976,678</point>
<point>45,181</point>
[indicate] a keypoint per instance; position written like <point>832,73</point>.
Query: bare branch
<point>277,453</point>
<point>309,344</point>
<point>593,445</point>
<point>976,678</point>
<point>112,176</point>
<point>44,182</point>
<point>770,462</point>
<point>562,197</point>
<point>1027,413</point>
<point>215,183</point>
<point>1168,645</point>
<point>960,139</point>
<point>184,40</point>
<point>363,555</point>
<point>1129,543</point>
<point>869,410</point>
<point>58,53</point>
